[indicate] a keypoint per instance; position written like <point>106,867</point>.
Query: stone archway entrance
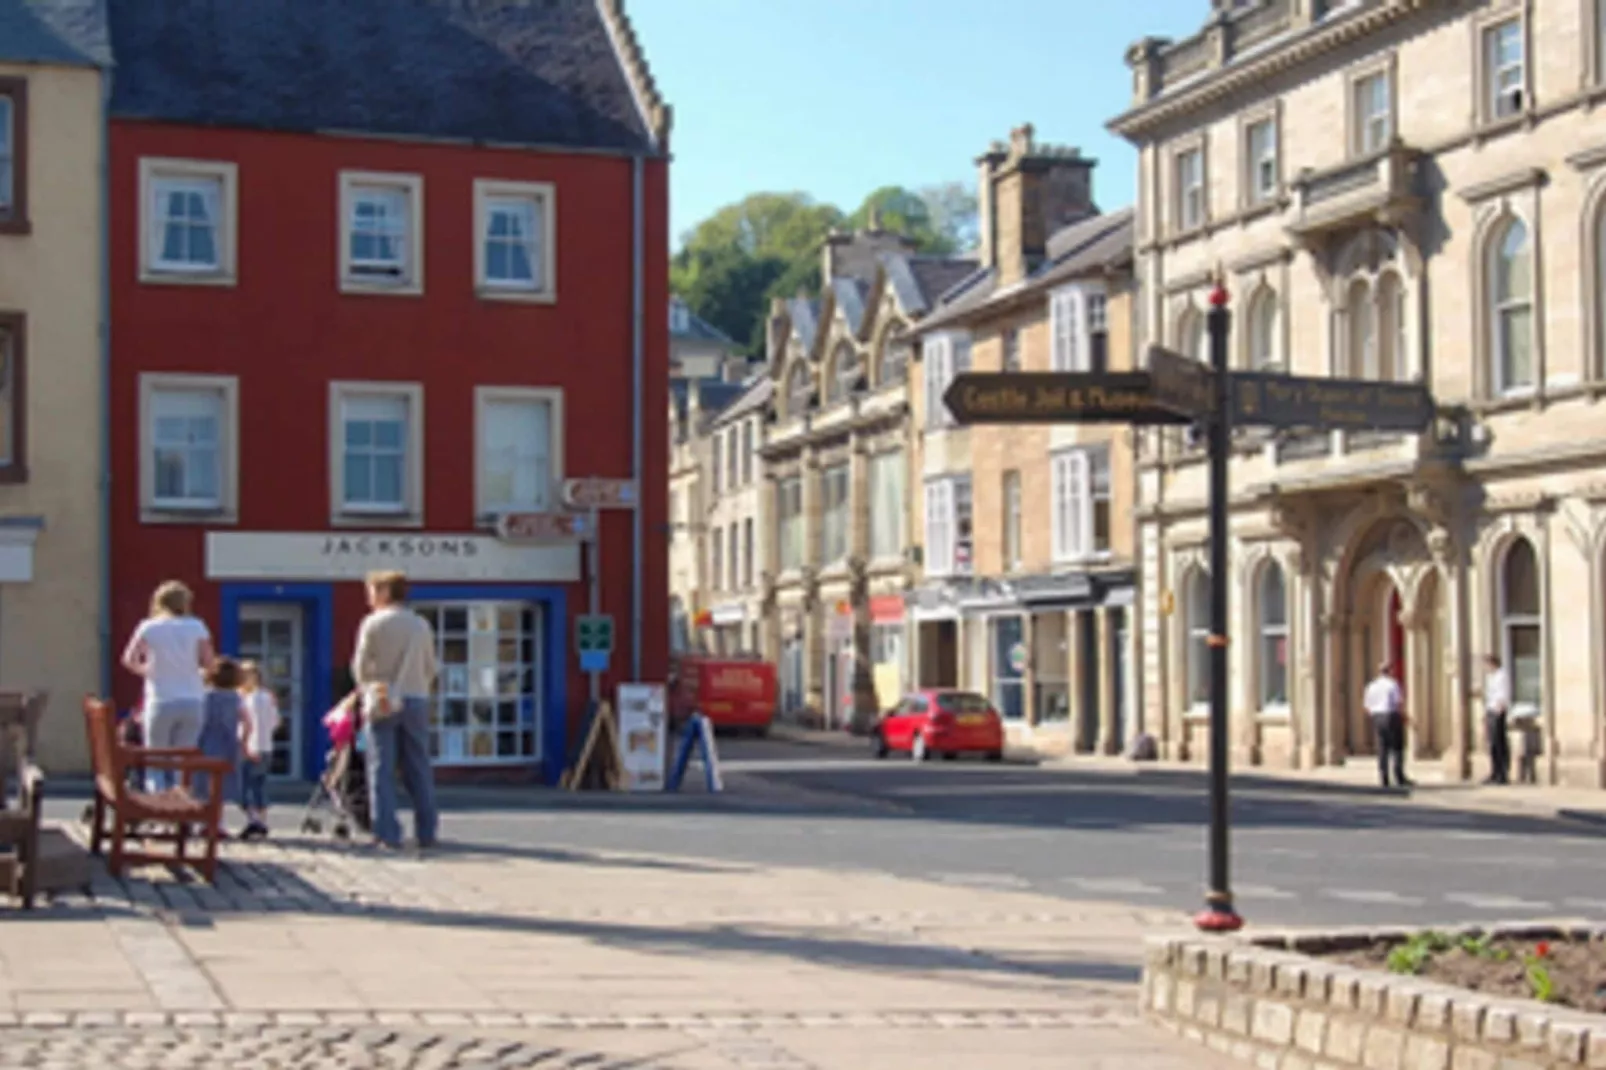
<point>1392,601</point>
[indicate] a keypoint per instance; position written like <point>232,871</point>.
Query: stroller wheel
<point>342,832</point>
<point>88,816</point>
<point>311,825</point>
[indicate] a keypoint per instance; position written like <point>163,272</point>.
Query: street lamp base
<point>1218,919</point>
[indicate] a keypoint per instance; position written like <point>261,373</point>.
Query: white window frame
<point>943,356</point>
<point>1188,167</point>
<point>836,519</point>
<point>1011,543</point>
<point>154,172</point>
<point>552,398</point>
<point>1268,634</point>
<point>733,539</point>
<point>749,552</point>
<point>1372,121</point>
<point>1498,309</point>
<point>747,452</point>
<point>1504,88</point>
<point>942,526</point>
<point>1262,173</point>
<point>410,282</point>
<point>411,512</point>
<point>883,515</point>
<point>716,558</point>
<point>544,289</point>
<point>733,462</point>
<point>1264,330</point>
<point>227,507</point>
<point>1196,639</point>
<point>1074,500</point>
<point>1509,621</point>
<point>791,528</point>
<point>1068,347</point>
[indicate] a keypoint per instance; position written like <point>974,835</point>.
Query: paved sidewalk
<point>308,954</point>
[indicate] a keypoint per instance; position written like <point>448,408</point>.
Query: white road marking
<point>1464,835</point>
<point>1587,904</point>
<point>1261,891</point>
<point>980,880</point>
<point>1366,895</point>
<point>1115,886</point>
<point>1496,902</point>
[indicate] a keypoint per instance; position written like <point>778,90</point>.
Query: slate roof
<point>919,282</point>
<point>755,395</point>
<point>697,329</point>
<point>848,294</point>
<point>522,72</point>
<point>1074,250</point>
<point>64,32</point>
<point>805,314</point>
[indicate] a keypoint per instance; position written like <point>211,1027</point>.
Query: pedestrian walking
<point>220,727</point>
<point>259,720</point>
<point>1385,706</point>
<point>1496,708</point>
<point>394,667</point>
<point>171,649</point>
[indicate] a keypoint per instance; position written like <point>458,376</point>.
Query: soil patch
<point>1568,972</point>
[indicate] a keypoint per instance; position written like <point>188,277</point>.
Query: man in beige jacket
<point>395,667</point>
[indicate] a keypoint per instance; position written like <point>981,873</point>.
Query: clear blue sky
<point>838,97</point>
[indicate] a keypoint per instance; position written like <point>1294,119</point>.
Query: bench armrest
<point>142,753</point>
<point>187,761</point>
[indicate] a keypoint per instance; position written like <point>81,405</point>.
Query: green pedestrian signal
<point>594,633</point>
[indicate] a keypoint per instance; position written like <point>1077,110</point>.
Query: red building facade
<point>335,353</point>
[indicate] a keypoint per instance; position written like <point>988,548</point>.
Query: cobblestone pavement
<point>309,954</point>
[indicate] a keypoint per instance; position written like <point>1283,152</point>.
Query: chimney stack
<point>1036,190</point>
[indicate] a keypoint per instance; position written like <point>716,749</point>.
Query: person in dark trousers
<point>1496,708</point>
<point>1385,706</point>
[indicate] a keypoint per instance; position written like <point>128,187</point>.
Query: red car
<point>941,721</point>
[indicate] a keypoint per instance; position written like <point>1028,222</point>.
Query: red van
<point>738,694</point>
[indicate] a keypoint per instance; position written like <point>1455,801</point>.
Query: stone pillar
<point>1336,743</point>
<point>1304,656</point>
<point>1450,559</point>
<point>1419,685</point>
<point>1075,671</point>
<point>1104,639</point>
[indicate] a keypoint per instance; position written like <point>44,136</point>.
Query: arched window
<point>1264,352</point>
<point>1271,607</point>
<point>799,389</point>
<point>1511,327</point>
<point>1197,612</point>
<point>1600,279</point>
<point>1361,321</point>
<point>1391,339</point>
<point>1192,339</point>
<point>1521,628</point>
<point>892,363</point>
<point>845,372</point>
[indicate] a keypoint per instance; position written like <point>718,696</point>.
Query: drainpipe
<point>105,388</point>
<point>637,409</point>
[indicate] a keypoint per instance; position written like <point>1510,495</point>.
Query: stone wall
<point>1268,1002</point>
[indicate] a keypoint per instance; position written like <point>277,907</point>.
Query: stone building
<point>1394,190</point>
<point>1027,531</point>
<point>837,506</point>
<point>737,555</point>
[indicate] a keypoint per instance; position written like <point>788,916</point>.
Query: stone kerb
<point>1267,1001</point>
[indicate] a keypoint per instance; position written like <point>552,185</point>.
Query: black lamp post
<point>1218,915</point>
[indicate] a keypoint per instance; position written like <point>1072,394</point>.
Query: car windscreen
<point>962,702</point>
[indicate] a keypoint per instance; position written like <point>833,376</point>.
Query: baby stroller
<point>341,795</point>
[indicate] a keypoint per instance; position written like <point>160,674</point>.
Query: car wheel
<point>995,756</point>
<point>918,751</point>
<point>878,745</point>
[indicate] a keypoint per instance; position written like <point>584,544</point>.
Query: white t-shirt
<point>1383,695</point>
<point>262,719</point>
<point>173,654</point>
<point>1496,692</point>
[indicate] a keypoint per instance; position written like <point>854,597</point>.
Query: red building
<point>381,272</point>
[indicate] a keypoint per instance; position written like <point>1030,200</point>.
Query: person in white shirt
<point>394,666</point>
<point>259,719</point>
<point>1496,707</point>
<point>172,650</point>
<point>1385,705</point>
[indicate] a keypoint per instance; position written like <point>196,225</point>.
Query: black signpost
<point>1177,390</point>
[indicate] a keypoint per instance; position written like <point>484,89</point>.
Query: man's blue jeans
<point>400,743</point>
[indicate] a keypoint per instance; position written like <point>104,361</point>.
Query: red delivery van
<point>738,694</point>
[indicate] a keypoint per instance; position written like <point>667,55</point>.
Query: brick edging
<point>1266,1000</point>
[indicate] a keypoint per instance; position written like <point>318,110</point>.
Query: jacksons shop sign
<point>369,547</point>
<point>337,555</point>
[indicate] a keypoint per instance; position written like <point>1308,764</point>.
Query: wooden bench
<point>20,819</point>
<point>164,817</point>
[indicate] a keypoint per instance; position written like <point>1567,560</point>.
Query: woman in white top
<point>171,649</point>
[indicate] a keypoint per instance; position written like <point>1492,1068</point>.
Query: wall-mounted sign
<point>542,527</point>
<point>597,493</point>
<point>349,555</point>
<point>1055,397</point>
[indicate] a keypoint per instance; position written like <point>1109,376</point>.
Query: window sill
<point>167,514</point>
<point>1488,129</point>
<point>1102,557</point>
<point>1196,715</point>
<point>151,276</point>
<point>370,288</point>
<point>1274,714</point>
<point>491,292</point>
<point>376,520</point>
<point>20,228</point>
<point>13,474</point>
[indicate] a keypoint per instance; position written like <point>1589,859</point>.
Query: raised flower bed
<point>1509,997</point>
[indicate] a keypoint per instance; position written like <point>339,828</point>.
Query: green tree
<point>954,213</point>
<point>897,209</point>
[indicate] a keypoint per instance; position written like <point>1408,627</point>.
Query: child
<point>259,719</point>
<point>220,724</point>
